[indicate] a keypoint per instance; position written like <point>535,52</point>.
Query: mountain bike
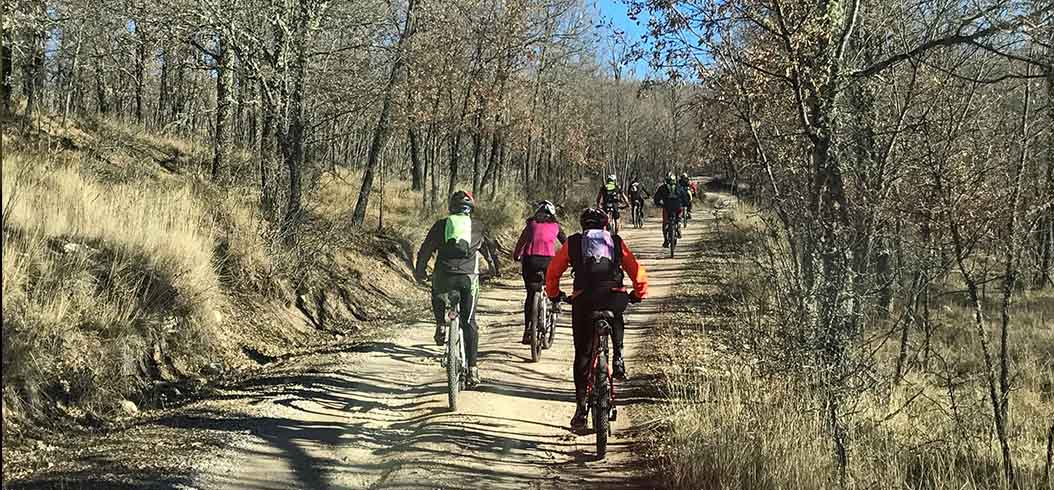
<point>638,214</point>
<point>455,362</point>
<point>672,230</point>
<point>600,387</point>
<point>613,220</point>
<point>542,326</point>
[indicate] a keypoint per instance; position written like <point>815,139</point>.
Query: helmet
<point>670,178</point>
<point>611,178</point>
<point>684,175</point>
<point>593,218</point>
<point>546,207</point>
<point>635,185</point>
<point>461,202</point>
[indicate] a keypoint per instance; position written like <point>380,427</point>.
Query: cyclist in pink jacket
<point>535,249</point>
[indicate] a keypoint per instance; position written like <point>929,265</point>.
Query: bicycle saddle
<point>603,314</point>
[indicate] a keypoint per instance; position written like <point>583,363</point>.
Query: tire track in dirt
<point>378,417</point>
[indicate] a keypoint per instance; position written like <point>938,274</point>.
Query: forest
<point>884,314</point>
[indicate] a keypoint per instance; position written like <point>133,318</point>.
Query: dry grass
<point>728,426</point>
<point>405,215</point>
<point>94,277</point>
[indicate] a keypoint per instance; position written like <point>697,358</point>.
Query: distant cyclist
<point>689,189</point>
<point>637,195</point>
<point>610,198</point>
<point>535,249</point>
<point>597,259</point>
<point>672,198</point>
<point>458,239</point>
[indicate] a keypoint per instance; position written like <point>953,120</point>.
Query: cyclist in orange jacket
<point>598,260</point>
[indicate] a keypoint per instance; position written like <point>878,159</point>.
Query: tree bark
<point>6,58</point>
<point>223,137</point>
<point>140,70</point>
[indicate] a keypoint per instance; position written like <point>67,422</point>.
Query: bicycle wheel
<point>602,406</point>
<point>453,363</point>
<point>537,326</point>
<point>550,326</point>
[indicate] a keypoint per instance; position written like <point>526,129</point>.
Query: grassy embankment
<point>127,272</point>
<point>728,426</point>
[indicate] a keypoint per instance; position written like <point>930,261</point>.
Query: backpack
<point>610,195</point>
<point>596,259</point>
<point>457,238</point>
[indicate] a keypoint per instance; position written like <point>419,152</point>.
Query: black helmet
<point>593,218</point>
<point>461,202</point>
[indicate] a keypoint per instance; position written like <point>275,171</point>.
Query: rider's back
<point>457,239</point>
<point>541,238</point>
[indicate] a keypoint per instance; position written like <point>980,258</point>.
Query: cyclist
<point>637,195</point>
<point>609,198</point>
<point>671,198</point>
<point>597,259</point>
<point>458,239</point>
<point>534,250</point>
<point>689,189</point>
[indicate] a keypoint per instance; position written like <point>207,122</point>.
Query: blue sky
<point>615,12</point>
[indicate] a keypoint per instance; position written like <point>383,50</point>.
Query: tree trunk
<point>223,137</point>
<point>477,152</point>
<point>33,72</point>
<point>140,71</point>
<point>6,58</point>
<point>1046,224</point>
<point>416,166</point>
<point>381,130</point>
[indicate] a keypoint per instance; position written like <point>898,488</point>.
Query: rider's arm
<point>433,240</point>
<point>517,252</point>
<point>561,261</point>
<point>561,236</point>
<point>636,272</point>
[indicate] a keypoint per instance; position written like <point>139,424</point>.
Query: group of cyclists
<point>674,196</point>
<point>597,255</point>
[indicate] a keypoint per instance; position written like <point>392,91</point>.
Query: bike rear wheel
<point>453,363</point>
<point>537,327</point>
<point>602,406</point>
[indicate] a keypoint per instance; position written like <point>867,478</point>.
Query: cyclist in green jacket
<point>456,240</point>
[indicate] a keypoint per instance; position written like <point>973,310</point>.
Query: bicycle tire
<point>550,327</point>
<point>537,324</point>
<point>602,406</point>
<point>453,363</point>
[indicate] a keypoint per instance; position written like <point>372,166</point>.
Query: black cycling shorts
<point>533,270</point>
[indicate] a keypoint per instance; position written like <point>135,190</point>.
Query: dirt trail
<point>378,417</point>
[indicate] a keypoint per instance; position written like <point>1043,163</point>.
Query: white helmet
<point>611,178</point>
<point>546,207</point>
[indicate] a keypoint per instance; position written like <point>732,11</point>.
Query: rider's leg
<point>468,286</point>
<point>528,303</point>
<point>582,331</point>
<point>440,290</point>
<point>618,334</point>
<point>665,223</point>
